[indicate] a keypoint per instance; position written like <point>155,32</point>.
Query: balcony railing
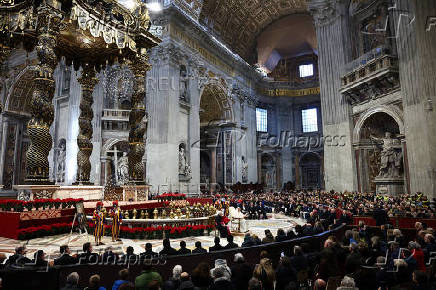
<point>115,114</point>
<point>372,79</point>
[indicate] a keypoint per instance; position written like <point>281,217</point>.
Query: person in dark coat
<point>39,260</point>
<point>88,256</point>
<point>18,258</point>
<point>241,272</point>
<point>299,261</point>
<point>167,249</point>
<point>248,241</point>
<point>183,250</point>
<point>285,273</point>
<point>230,243</point>
<point>72,282</point>
<point>269,238</point>
<point>281,236</point>
<point>217,246</point>
<point>353,260</point>
<point>220,281</point>
<point>130,256</point>
<point>148,254</point>
<point>66,258</point>
<point>198,248</point>
<point>201,276</point>
<point>380,216</point>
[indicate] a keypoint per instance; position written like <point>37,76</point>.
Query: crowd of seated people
<point>383,252</point>
<point>348,203</point>
<point>367,257</point>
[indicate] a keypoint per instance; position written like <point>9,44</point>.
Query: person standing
<point>117,219</point>
<point>98,218</point>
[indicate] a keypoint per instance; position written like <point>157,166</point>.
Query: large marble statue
<point>60,171</point>
<point>123,169</point>
<point>183,84</point>
<point>244,170</point>
<point>391,156</point>
<point>182,160</point>
<point>184,168</point>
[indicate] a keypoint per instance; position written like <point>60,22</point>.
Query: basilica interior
<point>127,100</point>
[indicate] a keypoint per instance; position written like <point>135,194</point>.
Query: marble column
<point>297,171</point>
<point>212,151</point>
<point>137,119</point>
<point>4,54</point>
<point>334,51</point>
<point>42,111</point>
<point>84,142</point>
<point>416,42</point>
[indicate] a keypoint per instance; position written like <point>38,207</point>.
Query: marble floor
<point>51,244</point>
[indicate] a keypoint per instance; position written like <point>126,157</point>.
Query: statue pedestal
<point>136,192</point>
<point>389,185</point>
<point>31,192</point>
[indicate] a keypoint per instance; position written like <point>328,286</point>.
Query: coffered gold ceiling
<point>238,22</point>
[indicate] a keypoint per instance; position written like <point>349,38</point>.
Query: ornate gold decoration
<point>289,92</point>
<point>38,128</point>
<point>89,34</point>
<point>7,2</point>
<point>249,17</point>
<point>88,82</point>
<point>137,120</point>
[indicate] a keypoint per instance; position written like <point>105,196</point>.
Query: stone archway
<point>392,111</point>
<point>310,168</point>
<point>114,152</point>
<point>268,171</point>
<point>217,140</point>
<point>15,139</point>
<point>372,125</point>
<point>215,103</point>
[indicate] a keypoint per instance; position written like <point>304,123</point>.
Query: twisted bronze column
<point>137,119</point>
<point>4,54</point>
<point>42,111</point>
<point>88,82</point>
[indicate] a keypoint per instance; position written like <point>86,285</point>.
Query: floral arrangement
<point>157,232</point>
<point>171,196</point>
<point>42,231</point>
<point>21,205</point>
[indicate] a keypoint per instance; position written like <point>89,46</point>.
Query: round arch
<point>309,154</point>
<point>392,111</point>
<point>215,103</point>
<point>20,93</point>
<point>109,144</point>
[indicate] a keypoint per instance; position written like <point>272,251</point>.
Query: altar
<point>32,192</point>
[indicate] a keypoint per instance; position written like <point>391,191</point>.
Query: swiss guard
<point>98,218</point>
<point>117,219</point>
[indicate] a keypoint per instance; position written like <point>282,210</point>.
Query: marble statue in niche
<point>184,167</point>
<point>60,161</point>
<point>123,169</point>
<point>391,156</point>
<point>183,84</point>
<point>244,170</point>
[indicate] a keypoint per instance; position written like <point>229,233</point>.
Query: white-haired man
<point>72,282</point>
